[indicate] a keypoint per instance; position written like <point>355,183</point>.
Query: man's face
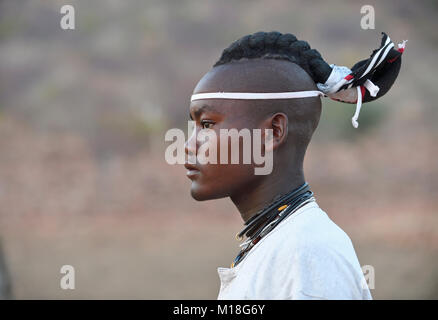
<point>220,179</point>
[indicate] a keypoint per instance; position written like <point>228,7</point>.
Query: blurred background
<point>83,112</point>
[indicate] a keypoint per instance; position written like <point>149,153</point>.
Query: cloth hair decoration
<point>368,79</point>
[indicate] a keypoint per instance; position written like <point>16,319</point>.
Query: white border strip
<point>373,61</point>
<point>256,96</point>
<point>385,54</point>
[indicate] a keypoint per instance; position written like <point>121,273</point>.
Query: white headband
<point>256,96</point>
<point>282,95</point>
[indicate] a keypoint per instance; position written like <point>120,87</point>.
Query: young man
<point>272,82</point>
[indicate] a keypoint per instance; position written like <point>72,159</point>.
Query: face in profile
<point>219,178</point>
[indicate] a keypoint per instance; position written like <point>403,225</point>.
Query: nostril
<point>189,149</point>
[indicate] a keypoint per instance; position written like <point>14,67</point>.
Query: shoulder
<point>308,237</point>
<point>310,229</point>
<point>313,239</point>
<point>310,255</point>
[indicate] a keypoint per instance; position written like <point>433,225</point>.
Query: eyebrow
<point>200,110</point>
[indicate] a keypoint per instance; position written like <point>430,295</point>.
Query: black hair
<point>275,45</point>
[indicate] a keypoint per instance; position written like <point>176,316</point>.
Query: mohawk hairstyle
<point>275,45</point>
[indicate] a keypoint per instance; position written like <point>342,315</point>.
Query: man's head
<point>263,62</point>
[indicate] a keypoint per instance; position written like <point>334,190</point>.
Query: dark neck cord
<point>255,221</point>
<point>269,217</point>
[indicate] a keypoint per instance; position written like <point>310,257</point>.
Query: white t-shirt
<point>307,256</point>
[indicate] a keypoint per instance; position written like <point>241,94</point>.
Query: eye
<point>206,124</point>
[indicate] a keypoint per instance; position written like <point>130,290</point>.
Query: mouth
<point>192,171</point>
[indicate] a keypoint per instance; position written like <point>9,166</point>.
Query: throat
<point>250,202</point>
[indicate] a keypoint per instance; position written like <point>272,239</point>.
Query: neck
<point>251,201</point>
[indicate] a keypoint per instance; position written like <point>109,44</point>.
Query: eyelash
<point>203,122</point>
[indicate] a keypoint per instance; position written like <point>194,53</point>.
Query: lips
<point>191,170</point>
<point>189,166</point>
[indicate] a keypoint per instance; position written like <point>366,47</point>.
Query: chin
<point>201,194</point>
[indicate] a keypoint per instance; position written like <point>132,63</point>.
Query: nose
<point>190,146</point>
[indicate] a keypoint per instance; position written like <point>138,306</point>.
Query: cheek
<point>235,148</point>
<point>222,179</point>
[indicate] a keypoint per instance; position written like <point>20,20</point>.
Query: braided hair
<point>275,45</point>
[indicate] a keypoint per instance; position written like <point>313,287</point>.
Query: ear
<point>278,123</point>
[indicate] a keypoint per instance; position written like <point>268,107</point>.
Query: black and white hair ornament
<point>368,79</point>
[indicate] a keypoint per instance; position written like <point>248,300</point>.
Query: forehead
<point>220,107</point>
<point>200,106</point>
